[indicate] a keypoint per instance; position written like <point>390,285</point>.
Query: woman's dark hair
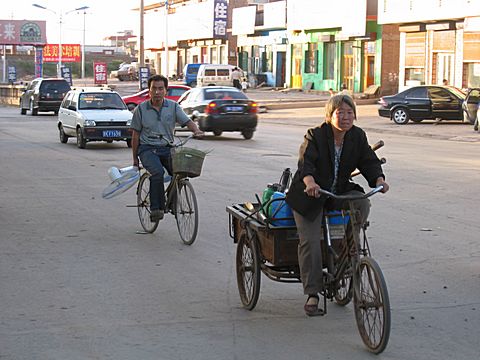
<point>158,78</point>
<point>335,102</point>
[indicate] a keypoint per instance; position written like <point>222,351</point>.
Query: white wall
<point>403,11</point>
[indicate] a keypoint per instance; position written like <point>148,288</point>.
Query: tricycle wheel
<point>372,305</point>
<point>248,270</point>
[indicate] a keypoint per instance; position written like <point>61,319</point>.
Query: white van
<point>215,74</point>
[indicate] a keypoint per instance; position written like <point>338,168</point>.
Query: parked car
<point>43,94</point>
<point>221,108</point>
<point>94,114</point>
<point>129,72</point>
<point>173,93</point>
<point>425,102</point>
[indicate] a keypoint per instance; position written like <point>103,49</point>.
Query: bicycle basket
<point>188,161</point>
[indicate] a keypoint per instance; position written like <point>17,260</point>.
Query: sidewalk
<point>272,98</point>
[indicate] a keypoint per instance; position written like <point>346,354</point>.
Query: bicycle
<point>180,198</point>
<point>349,272</point>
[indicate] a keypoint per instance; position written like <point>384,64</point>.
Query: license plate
<point>112,133</point>
<point>234,108</point>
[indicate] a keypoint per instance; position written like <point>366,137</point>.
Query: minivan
<point>190,74</point>
<point>215,74</point>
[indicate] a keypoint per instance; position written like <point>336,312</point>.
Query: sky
<point>103,18</point>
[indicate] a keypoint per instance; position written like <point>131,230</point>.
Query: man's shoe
<point>156,215</point>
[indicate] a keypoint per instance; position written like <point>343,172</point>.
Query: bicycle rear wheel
<point>143,204</point>
<point>186,212</point>
<point>372,305</point>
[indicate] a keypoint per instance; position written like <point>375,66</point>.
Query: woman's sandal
<point>313,310</point>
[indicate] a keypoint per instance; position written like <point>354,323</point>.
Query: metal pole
<point>166,38</point>
<point>141,55</point>
<point>83,46</point>
<point>4,63</point>
<point>59,70</point>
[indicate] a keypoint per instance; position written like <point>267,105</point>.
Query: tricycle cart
<point>349,270</point>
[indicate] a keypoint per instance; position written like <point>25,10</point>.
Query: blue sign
<point>67,74</point>
<point>220,17</point>
<point>12,74</point>
<point>38,62</point>
<point>143,75</point>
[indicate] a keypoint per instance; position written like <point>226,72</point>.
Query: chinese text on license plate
<point>234,108</point>
<point>112,133</point>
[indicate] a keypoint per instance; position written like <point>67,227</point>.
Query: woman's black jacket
<point>317,158</point>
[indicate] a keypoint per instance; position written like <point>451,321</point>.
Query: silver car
<point>94,114</point>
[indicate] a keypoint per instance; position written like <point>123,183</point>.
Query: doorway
<point>445,68</point>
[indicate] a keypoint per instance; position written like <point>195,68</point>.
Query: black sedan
<point>221,108</point>
<point>425,102</point>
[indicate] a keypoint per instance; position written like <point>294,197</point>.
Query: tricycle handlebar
<point>352,197</point>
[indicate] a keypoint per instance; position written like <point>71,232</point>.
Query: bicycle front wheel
<point>143,204</point>
<point>372,305</point>
<point>186,212</point>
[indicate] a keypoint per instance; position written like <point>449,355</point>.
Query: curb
<point>307,104</point>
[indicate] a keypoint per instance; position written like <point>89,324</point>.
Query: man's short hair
<point>158,78</point>
<point>335,102</point>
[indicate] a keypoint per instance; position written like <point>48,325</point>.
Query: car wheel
<point>33,110</point>
<point>81,142</point>
<point>217,132</point>
<point>193,84</point>
<point>131,106</point>
<point>63,137</point>
<point>247,134</point>
<point>56,112</point>
<point>22,110</point>
<point>400,116</point>
<point>109,141</point>
<point>129,143</point>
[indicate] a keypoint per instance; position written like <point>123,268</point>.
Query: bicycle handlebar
<point>352,197</point>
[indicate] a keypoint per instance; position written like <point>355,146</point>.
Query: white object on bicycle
<point>122,180</point>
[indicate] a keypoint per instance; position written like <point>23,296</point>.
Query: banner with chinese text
<point>220,16</point>
<point>70,53</point>
<point>100,73</point>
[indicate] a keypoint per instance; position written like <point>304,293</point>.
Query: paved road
<point>78,282</point>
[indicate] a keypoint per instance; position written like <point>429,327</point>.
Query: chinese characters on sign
<point>220,16</point>
<point>100,73</point>
<point>70,53</point>
<point>22,32</point>
<point>12,74</point>
<point>67,74</point>
<point>144,74</point>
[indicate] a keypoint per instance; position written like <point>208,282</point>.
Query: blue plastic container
<point>279,209</point>
<point>335,218</point>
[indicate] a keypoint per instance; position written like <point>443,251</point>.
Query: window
<point>223,72</point>
<point>418,93</point>
<point>329,61</point>
<point>210,72</point>
<point>311,58</point>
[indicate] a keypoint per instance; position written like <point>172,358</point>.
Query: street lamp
<point>60,50</point>
<point>59,66</point>
<point>83,8</point>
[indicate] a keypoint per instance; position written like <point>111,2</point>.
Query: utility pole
<point>141,56</point>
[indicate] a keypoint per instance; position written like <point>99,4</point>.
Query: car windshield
<point>224,94</point>
<point>101,101</point>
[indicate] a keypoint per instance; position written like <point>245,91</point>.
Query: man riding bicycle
<point>153,125</point>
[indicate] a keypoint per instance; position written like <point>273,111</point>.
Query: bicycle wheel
<point>372,305</point>
<point>344,291</point>
<point>186,212</point>
<point>143,204</point>
<point>248,270</point>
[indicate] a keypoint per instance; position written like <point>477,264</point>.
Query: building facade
<point>439,40</point>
